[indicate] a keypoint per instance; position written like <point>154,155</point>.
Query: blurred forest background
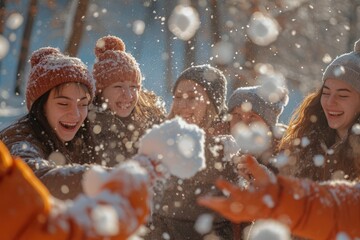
<point>285,42</point>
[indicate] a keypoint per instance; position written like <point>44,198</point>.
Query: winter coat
<point>339,161</point>
<point>176,211</point>
<point>62,175</point>
<point>311,210</point>
<point>29,212</point>
<point>119,137</point>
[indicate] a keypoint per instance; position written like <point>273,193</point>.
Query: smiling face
<point>341,104</point>
<point>190,102</point>
<point>66,109</point>
<point>122,97</point>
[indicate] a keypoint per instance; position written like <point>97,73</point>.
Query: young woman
<point>199,98</point>
<point>123,109</point>
<point>322,140</point>
<point>54,138</point>
<point>311,210</point>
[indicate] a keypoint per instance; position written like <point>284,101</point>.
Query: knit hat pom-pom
<point>109,43</point>
<point>39,54</point>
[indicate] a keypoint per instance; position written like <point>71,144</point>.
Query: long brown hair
<point>81,148</point>
<point>309,121</point>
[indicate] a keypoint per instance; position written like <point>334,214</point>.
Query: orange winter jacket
<point>28,210</point>
<point>311,210</point>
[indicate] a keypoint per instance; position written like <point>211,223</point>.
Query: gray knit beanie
<point>212,79</point>
<point>269,111</point>
<point>346,67</point>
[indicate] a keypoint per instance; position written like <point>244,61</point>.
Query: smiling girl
<point>123,109</point>
<point>55,137</point>
<point>322,141</point>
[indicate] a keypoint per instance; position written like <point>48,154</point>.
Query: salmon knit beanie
<point>346,67</point>
<point>50,68</point>
<point>211,79</point>
<point>113,63</point>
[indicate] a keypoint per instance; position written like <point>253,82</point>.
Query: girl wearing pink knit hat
<point>123,109</point>
<point>55,135</point>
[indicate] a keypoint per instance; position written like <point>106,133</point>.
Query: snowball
<point>105,220</point>
<point>203,223</point>
<point>223,52</point>
<point>4,46</point>
<point>93,179</point>
<point>138,27</point>
<point>253,139</point>
<point>263,29</point>
<point>269,230</point>
<point>184,21</point>
<point>14,21</point>
<point>177,144</point>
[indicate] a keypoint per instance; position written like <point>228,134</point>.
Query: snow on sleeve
<point>178,145</point>
<point>100,212</point>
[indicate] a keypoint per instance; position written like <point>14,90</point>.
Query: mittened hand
<point>156,170</point>
<point>246,204</point>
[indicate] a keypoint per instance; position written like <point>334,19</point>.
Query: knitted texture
<point>269,111</point>
<point>213,81</point>
<point>113,63</point>
<point>50,68</point>
<point>346,67</point>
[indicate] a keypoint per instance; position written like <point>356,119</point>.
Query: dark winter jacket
<point>61,172</point>
<point>118,138</point>
<point>175,203</point>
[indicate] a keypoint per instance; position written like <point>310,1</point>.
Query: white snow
<point>263,29</point>
<point>269,230</point>
<point>253,139</point>
<point>177,144</point>
<point>184,21</point>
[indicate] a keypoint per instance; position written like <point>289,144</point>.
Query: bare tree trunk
<point>74,40</point>
<point>168,50</point>
<point>190,52</point>
<point>2,15</point>
<point>25,42</point>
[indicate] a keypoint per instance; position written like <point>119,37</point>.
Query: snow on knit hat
<point>213,81</point>
<point>269,111</point>
<point>346,67</point>
<point>113,63</point>
<point>51,68</point>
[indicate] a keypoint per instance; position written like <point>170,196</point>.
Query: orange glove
<point>246,205</point>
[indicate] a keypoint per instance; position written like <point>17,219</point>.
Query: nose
<point>75,111</point>
<point>331,100</point>
<point>127,92</point>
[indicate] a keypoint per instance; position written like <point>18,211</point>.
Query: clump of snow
<point>356,129</point>
<point>319,160</point>
<point>138,27</point>
<point>183,22</point>
<point>253,139</point>
<point>263,29</point>
<point>105,220</point>
<point>273,88</point>
<point>4,46</point>
<point>269,230</point>
<point>342,236</point>
<point>14,21</point>
<point>177,144</point>
<point>280,160</point>
<point>93,180</point>
<point>203,223</point>
<point>223,51</point>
